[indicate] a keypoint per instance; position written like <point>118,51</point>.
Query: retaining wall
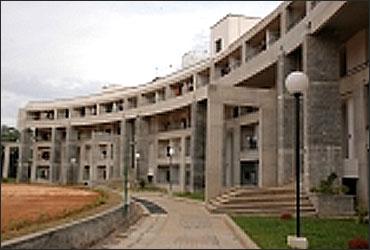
<point>79,234</point>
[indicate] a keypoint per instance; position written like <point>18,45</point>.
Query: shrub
<point>329,186</point>
<point>142,183</point>
<point>358,243</point>
<point>362,213</point>
<point>286,216</point>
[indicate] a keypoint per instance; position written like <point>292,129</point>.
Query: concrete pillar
<point>322,106</point>
<point>198,145</point>
<point>285,122</point>
<point>53,163</point>
<point>142,142</point>
<point>33,166</point>
<point>214,149</point>
<point>24,155</point>
<point>283,22</point>
<point>267,144</point>
<point>182,165</point>
<point>236,155</point>
<point>6,161</point>
<point>267,37</point>
<point>360,96</point>
<point>244,52</point>
<point>70,171</point>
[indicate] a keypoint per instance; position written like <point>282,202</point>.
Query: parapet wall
<point>80,234</point>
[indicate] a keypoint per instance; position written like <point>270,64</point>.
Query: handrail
<point>357,68</point>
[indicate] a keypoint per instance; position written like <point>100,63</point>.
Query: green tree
<point>9,133</point>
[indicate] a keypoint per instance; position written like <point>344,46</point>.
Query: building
<point>228,117</point>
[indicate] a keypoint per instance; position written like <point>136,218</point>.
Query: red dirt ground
<point>31,203</point>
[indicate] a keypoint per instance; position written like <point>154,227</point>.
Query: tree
<point>9,134</point>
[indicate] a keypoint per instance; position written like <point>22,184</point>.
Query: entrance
<point>248,172</point>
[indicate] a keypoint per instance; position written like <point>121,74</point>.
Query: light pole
<point>71,177</point>
<point>297,84</point>
<point>137,157</point>
<point>170,153</point>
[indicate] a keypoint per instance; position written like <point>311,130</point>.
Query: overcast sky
<point>63,49</point>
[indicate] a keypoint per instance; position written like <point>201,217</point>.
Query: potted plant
<point>330,198</point>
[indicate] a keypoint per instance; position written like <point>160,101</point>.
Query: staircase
<point>260,201</point>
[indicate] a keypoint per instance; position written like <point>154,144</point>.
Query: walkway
<point>186,225</point>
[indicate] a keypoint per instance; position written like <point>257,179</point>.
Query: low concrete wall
<point>80,234</point>
<point>333,205</point>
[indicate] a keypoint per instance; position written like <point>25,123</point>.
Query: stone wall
<point>80,234</point>
<point>333,205</point>
<point>197,144</point>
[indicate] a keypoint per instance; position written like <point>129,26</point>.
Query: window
<point>86,173</point>
<point>218,45</point>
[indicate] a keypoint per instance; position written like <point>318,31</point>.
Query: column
<point>33,166</point>
<point>24,154</point>
<point>285,122</point>
<point>182,165</point>
<point>69,170</point>
<point>6,161</point>
<point>322,106</point>
<point>53,165</point>
<point>198,145</point>
<point>214,149</point>
<point>236,156</point>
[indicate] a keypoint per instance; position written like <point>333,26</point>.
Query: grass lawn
<point>196,195</point>
<point>269,232</point>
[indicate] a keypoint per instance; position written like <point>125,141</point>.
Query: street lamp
<point>137,157</point>
<point>170,153</point>
<point>71,175</point>
<point>297,84</point>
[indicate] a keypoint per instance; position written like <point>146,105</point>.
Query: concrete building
<point>228,117</point>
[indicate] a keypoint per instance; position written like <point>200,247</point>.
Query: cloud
<point>63,49</point>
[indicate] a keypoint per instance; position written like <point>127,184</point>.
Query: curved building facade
<point>229,118</point>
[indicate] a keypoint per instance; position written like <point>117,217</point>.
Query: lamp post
<point>71,177</point>
<point>137,157</point>
<point>170,153</point>
<point>297,84</point>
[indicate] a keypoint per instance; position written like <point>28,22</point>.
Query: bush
<point>142,183</point>
<point>328,186</point>
<point>286,216</point>
<point>358,243</point>
<point>362,213</point>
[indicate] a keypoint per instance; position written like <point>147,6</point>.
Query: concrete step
<point>277,211</point>
<point>260,201</point>
<point>266,197</point>
<point>262,206</point>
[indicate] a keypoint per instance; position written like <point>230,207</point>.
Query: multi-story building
<point>229,118</point>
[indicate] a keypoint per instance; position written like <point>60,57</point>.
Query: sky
<point>53,50</point>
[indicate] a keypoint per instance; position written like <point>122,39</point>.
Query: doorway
<point>249,173</point>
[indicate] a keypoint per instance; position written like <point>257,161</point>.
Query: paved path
<point>186,225</point>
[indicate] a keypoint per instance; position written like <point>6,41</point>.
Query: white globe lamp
<point>296,82</point>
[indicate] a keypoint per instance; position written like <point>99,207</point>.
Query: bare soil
<point>23,204</point>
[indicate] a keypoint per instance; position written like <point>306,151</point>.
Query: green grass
<point>270,232</point>
<point>149,188</point>
<point>195,195</point>
<point>8,180</point>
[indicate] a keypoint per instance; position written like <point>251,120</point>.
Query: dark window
<point>168,175</point>
<point>218,45</point>
<point>235,112</point>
